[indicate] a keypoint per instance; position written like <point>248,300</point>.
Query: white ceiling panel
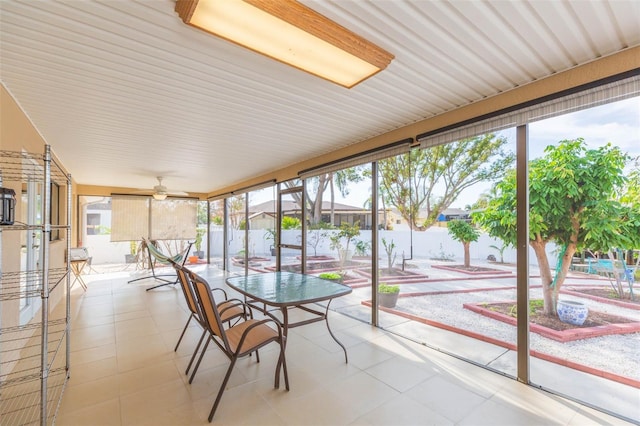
<point>124,91</point>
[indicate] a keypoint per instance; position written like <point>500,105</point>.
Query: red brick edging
<point>556,360</point>
<point>559,336</point>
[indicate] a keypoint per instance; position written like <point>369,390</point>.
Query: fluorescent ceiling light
<point>291,33</point>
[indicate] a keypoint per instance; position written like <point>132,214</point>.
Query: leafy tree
<point>463,231</point>
<point>202,213</point>
<point>341,180</point>
<point>316,234</point>
<point>236,211</point>
<point>289,222</point>
<point>631,197</point>
<point>631,194</point>
<point>347,232</point>
<point>389,247</point>
<point>411,181</point>
<point>318,185</point>
<point>216,212</point>
<point>573,202</point>
<point>483,200</point>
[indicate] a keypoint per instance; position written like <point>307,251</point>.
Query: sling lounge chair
<point>156,255</point>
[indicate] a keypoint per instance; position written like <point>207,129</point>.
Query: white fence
<point>433,243</point>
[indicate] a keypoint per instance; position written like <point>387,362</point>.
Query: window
<point>93,223</point>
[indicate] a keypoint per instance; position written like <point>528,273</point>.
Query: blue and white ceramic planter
<point>572,312</point>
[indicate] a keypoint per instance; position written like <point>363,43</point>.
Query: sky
<point>617,122</point>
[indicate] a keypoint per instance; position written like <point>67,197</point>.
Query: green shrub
<point>330,276</point>
<point>386,288</point>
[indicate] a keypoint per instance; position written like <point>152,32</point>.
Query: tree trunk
<point>467,256</point>
<point>564,269</point>
<point>538,246</point>
<point>384,215</point>
<point>316,214</point>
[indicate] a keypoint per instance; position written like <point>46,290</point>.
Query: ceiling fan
<point>160,192</point>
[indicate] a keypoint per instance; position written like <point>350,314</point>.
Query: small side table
<point>77,265</point>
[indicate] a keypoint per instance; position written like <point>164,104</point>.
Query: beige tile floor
<point>124,371</point>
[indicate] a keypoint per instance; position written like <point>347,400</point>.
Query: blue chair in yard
<point>157,256</point>
<point>617,271</point>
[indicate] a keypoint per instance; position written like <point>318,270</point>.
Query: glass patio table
<point>285,290</point>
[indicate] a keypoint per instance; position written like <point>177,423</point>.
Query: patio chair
<point>156,256</point>
<point>239,340</point>
<point>229,309</point>
<point>630,275</point>
<point>618,272</point>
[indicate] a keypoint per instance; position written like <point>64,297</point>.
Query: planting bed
<point>597,323</point>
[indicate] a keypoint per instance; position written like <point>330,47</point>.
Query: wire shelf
<point>34,363</point>
<point>16,285</point>
<point>29,167</point>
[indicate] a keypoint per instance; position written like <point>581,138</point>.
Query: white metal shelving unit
<point>34,357</point>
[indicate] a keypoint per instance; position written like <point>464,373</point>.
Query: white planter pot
<point>572,312</point>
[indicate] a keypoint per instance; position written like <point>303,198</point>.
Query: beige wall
<point>18,134</point>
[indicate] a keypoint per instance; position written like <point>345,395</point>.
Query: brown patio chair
<point>239,340</point>
<point>230,309</point>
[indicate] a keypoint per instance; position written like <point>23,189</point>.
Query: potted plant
<point>572,312</point>
<point>388,295</point>
<point>198,243</point>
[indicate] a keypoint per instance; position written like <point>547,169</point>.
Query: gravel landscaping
<point>618,354</point>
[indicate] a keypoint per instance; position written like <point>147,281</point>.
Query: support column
<point>522,249</point>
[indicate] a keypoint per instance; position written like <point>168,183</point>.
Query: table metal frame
<point>245,285</point>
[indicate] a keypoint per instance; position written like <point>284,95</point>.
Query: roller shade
<point>394,149</point>
<point>129,217</point>
<point>600,95</point>
<point>176,219</point>
<point>134,217</point>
